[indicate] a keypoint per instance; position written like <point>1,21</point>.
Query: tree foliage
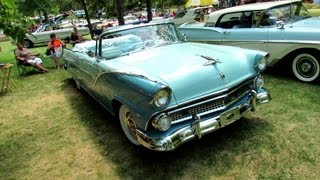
<point>12,23</point>
<point>36,7</point>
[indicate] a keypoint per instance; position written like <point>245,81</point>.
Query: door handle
<point>226,32</point>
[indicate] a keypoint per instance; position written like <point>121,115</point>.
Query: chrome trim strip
<point>200,114</point>
<point>207,95</point>
<point>123,73</point>
<point>260,41</point>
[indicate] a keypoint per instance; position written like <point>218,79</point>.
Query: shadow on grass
<point>283,72</point>
<point>215,152</point>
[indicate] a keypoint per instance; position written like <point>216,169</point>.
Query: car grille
<point>210,104</point>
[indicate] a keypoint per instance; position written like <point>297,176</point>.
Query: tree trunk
<point>162,11</point>
<point>46,19</point>
<point>149,11</point>
<point>87,17</point>
<point>119,4</point>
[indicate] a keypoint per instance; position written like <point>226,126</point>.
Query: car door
<point>85,68</point>
<point>251,38</point>
<point>239,29</point>
<point>210,35</point>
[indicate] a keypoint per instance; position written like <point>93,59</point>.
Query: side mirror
<point>281,24</point>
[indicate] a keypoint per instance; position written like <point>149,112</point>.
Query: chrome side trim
<point>123,73</point>
<point>260,41</point>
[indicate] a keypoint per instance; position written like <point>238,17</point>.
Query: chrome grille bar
<point>210,105</point>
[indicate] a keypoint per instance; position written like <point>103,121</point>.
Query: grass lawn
<point>50,130</point>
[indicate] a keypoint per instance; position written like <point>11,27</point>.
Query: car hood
<point>308,22</point>
<point>182,67</point>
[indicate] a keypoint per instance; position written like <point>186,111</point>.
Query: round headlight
<point>161,98</point>
<point>258,82</point>
<point>162,122</point>
<point>262,63</point>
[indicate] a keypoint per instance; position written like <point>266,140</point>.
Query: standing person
<point>24,56</point>
<point>56,47</point>
<point>75,37</point>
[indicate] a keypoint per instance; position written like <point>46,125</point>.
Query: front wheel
<point>128,125</point>
<point>27,43</point>
<point>305,67</point>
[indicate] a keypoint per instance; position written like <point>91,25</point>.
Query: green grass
<point>49,130</point>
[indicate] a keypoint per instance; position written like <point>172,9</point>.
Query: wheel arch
<point>31,43</point>
<point>290,56</point>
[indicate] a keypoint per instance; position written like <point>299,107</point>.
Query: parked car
<point>191,15</point>
<point>163,90</point>
<point>276,27</point>
<point>79,13</point>
<point>42,35</point>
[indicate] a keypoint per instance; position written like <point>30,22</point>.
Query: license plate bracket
<point>230,116</point>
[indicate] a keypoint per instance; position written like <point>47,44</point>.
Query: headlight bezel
<point>262,63</point>
<point>258,82</point>
<point>161,98</point>
<point>159,125</point>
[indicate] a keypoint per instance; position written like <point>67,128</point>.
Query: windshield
<point>135,39</point>
<point>288,13</point>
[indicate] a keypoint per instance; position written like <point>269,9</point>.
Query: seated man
<point>25,57</point>
<point>75,37</point>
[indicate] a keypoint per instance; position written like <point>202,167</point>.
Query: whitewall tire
<point>306,67</point>
<point>128,125</point>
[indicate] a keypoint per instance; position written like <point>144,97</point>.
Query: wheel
<point>128,125</point>
<point>27,43</point>
<point>305,67</point>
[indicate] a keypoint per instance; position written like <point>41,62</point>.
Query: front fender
<point>134,91</point>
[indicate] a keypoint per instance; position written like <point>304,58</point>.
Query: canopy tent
<point>191,3</point>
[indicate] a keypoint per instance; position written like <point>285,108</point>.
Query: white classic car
<point>280,27</point>
<point>42,35</point>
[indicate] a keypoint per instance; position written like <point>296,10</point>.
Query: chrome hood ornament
<point>210,60</point>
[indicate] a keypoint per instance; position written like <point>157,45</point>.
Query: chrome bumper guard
<point>199,128</point>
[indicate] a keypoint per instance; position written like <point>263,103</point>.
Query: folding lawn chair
<point>22,68</point>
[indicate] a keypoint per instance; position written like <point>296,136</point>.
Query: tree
<point>83,2</point>
<point>12,22</point>
<point>149,10</point>
<point>119,4</point>
<point>32,7</point>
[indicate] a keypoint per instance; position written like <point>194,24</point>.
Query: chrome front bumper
<point>199,127</point>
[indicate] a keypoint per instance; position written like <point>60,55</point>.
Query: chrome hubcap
<point>306,67</point>
<point>131,125</point>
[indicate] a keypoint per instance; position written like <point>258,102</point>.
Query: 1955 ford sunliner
<point>163,90</point>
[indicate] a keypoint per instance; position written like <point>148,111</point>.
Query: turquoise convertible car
<point>281,28</point>
<point>163,90</point>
